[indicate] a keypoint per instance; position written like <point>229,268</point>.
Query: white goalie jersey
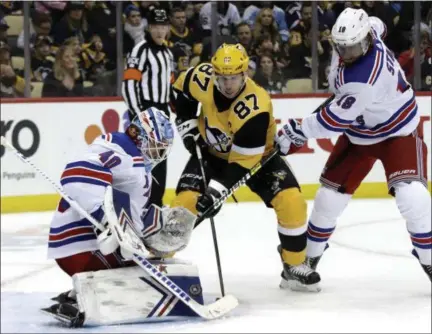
<point>373,100</point>
<point>112,159</point>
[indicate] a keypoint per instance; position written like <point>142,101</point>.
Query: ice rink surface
<point>370,281</point>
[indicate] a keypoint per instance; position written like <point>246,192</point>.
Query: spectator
<point>3,30</point>
<point>193,16</point>
<point>101,17</point>
<point>251,12</point>
<point>300,45</point>
<point>133,28</point>
<point>73,23</point>
<point>267,75</point>
<point>65,79</point>
<point>326,15</point>
<point>53,9</point>
<point>251,68</point>
<point>228,17</point>
<point>265,24</point>
<point>81,57</point>
<point>96,57</point>
<point>293,14</point>
<point>244,36</point>
<point>399,19</point>
<point>10,8</point>
<point>406,58</point>
<point>41,61</point>
<point>40,26</point>
<point>180,35</point>
<point>11,85</point>
<point>181,60</point>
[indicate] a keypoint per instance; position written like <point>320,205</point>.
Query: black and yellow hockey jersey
<point>240,130</point>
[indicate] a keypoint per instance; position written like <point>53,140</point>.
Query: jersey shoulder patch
<point>366,70</point>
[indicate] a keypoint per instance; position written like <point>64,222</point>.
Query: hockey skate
<point>427,269</point>
<point>299,278</point>
<point>68,297</point>
<point>66,313</point>
<point>313,261</point>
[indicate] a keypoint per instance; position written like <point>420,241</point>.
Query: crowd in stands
<point>73,43</point>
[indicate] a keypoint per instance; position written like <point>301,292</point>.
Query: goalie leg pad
<point>291,212</point>
<point>129,295</point>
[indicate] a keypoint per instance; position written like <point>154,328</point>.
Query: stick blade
<point>221,307</point>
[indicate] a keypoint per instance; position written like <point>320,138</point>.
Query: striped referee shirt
<point>147,77</point>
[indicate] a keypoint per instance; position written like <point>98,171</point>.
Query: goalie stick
<point>134,244</point>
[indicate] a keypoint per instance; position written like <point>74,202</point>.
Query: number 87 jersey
<point>373,101</point>
<point>240,129</point>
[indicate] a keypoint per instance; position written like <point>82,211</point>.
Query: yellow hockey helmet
<point>230,59</point>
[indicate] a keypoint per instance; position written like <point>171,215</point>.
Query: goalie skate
<point>68,297</point>
<point>299,278</point>
<point>66,313</point>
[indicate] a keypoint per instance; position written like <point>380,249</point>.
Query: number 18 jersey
<point>373,101</point>
<point>239,130</point>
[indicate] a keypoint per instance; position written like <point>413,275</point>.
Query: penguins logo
<point>217,139</point>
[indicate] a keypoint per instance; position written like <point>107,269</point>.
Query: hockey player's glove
<point>188,131</point>
<point>290,138</point>
<point>214,191</point>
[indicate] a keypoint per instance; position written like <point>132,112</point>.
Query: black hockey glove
<point>188,131</point>
<point>214,191</point>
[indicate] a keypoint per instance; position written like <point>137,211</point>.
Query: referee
<point>147,83</point>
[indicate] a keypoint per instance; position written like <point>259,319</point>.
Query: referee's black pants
<point>159,172</point>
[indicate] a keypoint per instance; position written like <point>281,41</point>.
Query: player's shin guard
<point>414,203</point>
<point>291,211</point>
<point>328,206</point>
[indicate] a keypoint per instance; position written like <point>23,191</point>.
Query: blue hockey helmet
<point>153,133</point>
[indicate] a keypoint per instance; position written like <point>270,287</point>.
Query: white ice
<point>370,281</point>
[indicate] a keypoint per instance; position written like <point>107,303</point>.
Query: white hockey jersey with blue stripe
<point>112,159</point>
<point>373,101</point>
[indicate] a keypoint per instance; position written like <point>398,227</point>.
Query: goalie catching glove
<point>165,230</point>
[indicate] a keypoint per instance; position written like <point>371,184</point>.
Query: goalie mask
<point>153,134</point>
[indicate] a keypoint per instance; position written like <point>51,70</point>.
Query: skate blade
<point>63,319</point>
<point>297,286</point>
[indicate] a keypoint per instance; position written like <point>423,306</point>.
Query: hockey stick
<point>134,244</point>
<point>255,169</point>
<point>212,223</point>
<point>252,171</point>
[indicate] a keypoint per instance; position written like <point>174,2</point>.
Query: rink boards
<point>51,132</point>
